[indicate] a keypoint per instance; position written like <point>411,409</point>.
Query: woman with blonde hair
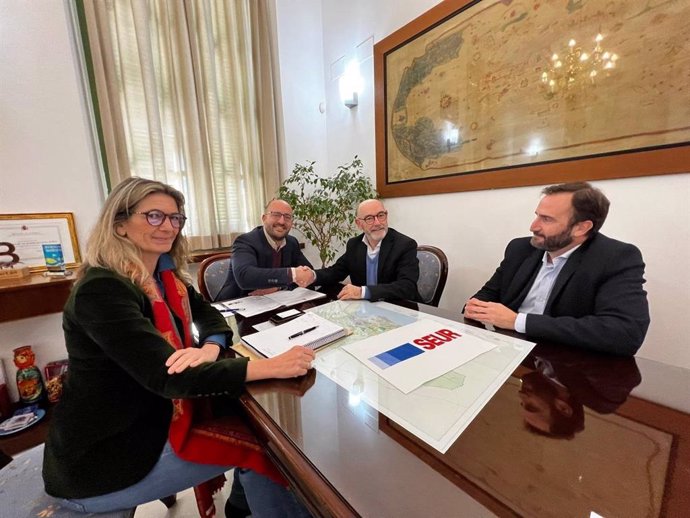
<point>127,429</point>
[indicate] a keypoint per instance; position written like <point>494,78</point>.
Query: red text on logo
<point>433,340</point>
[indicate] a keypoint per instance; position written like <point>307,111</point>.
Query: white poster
<point>411,355</point>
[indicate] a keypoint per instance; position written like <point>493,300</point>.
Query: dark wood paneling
<point>33,296</point>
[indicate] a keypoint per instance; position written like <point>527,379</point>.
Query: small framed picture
<point>22,237</point>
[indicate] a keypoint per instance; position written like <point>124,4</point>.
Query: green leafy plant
<point>325,208</point>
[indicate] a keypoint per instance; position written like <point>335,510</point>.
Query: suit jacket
<point>398,268</point>
<point>252,264</point>
<point>597,301</point>
<point>112,421</point>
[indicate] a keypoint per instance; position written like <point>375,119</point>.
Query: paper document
<point>255,305</point>
<point>309,330</point>
<point>413,354</point>
<point>438,411</point>
<point>294,297</point>
<point>247,306</point>
<point>262,326</point>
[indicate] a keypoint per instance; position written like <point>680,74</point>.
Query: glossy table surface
<point>570,433</point>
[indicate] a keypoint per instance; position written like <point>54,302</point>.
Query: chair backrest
<point>213,271</point>
<point>433,272</point>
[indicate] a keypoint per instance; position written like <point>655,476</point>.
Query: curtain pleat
<point>186,96</point>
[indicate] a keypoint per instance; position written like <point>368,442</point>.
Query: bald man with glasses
<point>381,262</point>
<point>267,258</point>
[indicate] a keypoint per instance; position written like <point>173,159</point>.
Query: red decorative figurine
<point>29,381</point>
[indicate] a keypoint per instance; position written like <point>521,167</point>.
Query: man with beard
<point>381,262</point>
<point>568,283</point>
<point>267,258</point>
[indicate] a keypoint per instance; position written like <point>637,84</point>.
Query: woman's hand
<point>191,357</point>
<point>292,363</point>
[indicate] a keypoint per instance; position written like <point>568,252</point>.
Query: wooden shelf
<point>32,296</point>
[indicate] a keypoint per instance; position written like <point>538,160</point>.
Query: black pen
<point>229,308</point>
<point>307,330</point>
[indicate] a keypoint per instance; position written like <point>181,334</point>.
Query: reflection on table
<point>617,454</point>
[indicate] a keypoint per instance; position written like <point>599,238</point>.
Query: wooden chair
<point>213,271</point>
<point>433,273</point>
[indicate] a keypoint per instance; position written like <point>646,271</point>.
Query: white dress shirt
<point>538,296</point>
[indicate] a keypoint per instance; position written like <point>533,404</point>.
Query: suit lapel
<point>360,259</point>
<point>386,246</point>
<point>568,270</point>
<point>523,279</point>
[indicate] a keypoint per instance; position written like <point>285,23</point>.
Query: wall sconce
<point>350,84</point>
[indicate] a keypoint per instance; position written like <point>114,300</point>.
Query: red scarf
<point>194,434</point>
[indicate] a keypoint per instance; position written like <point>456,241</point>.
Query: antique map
<point>506,83</point>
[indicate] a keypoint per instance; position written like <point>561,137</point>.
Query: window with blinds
<point>177,97</point>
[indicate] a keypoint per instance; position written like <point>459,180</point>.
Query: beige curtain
<point>185,95</point>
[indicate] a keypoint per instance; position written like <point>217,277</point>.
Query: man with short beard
<point>267,258</point>
<point>568,283</point>
<point>381,262</point>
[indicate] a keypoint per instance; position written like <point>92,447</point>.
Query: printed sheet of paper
<point>255,305</point>
<point>411,355</point>
<point>247,306</point>
<point>294,297</point>
<point>439,410</point>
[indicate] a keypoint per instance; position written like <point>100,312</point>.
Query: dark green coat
<point>112,422</point>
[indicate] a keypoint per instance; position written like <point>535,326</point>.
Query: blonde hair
<point>107,249</point>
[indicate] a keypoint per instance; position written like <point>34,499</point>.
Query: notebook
<point>309,330</point>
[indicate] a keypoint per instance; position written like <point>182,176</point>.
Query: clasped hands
<point>492,313</point>
<point>304,276</point>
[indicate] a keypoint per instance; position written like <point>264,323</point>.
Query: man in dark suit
<point>568,283</point>
<point>267,258</point>
<point>381,262</point>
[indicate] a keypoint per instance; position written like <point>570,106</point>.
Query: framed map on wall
<point>499,93</point>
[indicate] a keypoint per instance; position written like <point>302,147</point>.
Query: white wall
<point>47,163</point>
<point>46,159</point>
<point>301,50</point>
<point>473,228</point>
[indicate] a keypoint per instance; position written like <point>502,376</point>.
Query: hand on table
<point>191,357</point>
<point>490,313</point>
<point>292,363</point>
<point>350,292</point>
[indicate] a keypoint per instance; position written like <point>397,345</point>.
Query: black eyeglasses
<point>278,215</point>
<point>156,218</point>
<point>381,216</point>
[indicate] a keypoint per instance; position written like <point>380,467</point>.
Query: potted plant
<point>324,208</point>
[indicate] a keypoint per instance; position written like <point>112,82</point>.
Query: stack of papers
<point>246,306</point>
<point>309,330</point>
<point>294,297</point>
<point>255,305</point>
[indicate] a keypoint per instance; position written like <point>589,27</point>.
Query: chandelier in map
<point>575,67</point>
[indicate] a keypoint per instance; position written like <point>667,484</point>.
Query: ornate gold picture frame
<point>489,94</point>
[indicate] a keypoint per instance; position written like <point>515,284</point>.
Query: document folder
<point>309,330</point>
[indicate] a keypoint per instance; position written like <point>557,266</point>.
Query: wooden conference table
<point>629,455</point>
